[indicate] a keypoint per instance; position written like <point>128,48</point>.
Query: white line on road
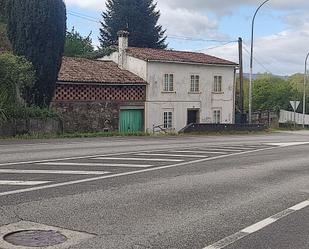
<point>200,152</point>
<point>97,164</point>
<point>73,158</point>
<point>23,183</point>
<point>137,159</point>
<point>224,149</point>
<point>128,173</point>
<point>257,226</point>
<point>300,206</point>
<point>62,172</point>
<point>171,155</point>
<point>288,144</point>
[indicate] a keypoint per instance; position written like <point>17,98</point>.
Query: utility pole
<point>304,97</point>
<point>241,79</point>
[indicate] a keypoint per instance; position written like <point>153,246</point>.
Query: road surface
<point>191,192</point>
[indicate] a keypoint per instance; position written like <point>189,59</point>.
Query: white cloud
<point>87,4</point>
<point>282,53</point>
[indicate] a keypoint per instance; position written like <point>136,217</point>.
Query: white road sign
<point>295,104</point>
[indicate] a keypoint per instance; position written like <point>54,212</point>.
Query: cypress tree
<point>36,29</point>
<point>139,17</point>
<point>2,10</point>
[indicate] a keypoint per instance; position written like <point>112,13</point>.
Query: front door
<point>131,121</point>
<point>193,117</point>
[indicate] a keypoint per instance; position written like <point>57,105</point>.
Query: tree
<point>17,76</point>
<point>36,30</point>
<point>4,41</point>
<point>272,93</point>
<point>77,46</point>
<point>139,17</point>
<point>2,10</point>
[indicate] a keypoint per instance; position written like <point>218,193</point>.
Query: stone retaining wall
<point>16,127</point>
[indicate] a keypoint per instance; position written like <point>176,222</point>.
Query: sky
<point>281,36</point>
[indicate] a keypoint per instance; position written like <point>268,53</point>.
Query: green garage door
<point>131,121</point>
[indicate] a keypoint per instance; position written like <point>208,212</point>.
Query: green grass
<point>137,134</point>
<point>76,135</point>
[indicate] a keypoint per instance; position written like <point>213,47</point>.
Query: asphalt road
<point>197,192</point>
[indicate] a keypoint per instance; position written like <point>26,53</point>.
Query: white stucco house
<point>183,87</point>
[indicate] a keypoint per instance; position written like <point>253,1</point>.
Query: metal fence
<point>288,117</point>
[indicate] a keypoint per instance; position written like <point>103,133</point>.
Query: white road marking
<point>23,183</point>
<point>73,158</point>
<point>200,152</point>
<point>287,144</point>
<point>97,164</point>
<point>127,173</point>
<point>300,206</point>
<point>171,155</point>
<point>62,172</point>
<point>137,159</point>
<point>257,226</point>
<point>224,149</point>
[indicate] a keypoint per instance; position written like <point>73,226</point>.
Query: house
<point>141,89</point>
<point>183,87</point>
<point>94,95</point>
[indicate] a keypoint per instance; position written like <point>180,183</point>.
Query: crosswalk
<point>14,176</point>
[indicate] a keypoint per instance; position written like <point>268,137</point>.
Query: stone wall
<point>17,127</point>
<point>90,116</point>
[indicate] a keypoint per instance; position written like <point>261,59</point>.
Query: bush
<point>17,76</point>
<point>21,112</point>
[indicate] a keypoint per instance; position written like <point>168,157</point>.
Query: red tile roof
<point>150,54</point>
<point>94,71</point>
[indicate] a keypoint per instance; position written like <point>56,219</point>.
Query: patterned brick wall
<point>99,93</point>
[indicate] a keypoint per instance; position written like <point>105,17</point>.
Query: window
<point>168,120</point>
<point>168,83</point>
<point>195,83</point>
<point>217,116</point>
<point>218,84</point>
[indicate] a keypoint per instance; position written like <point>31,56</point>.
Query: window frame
<point>217,113</point>
<point>168,119</point>
<point>168,82</point>
<point>217,86</point>
<point>195,83</point>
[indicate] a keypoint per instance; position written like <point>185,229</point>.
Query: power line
<point>223,45</point>
<point>186,38</point>
<point>80,14</point>
<point>257,61</point>
<point>195,39</point>
<point>85,18</point>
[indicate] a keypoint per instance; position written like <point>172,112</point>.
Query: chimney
<point>123,43</point>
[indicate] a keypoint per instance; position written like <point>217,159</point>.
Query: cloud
<point>87,4</point>
<point>282,53</point>
<point>192,23</point>
<point>227,6</point>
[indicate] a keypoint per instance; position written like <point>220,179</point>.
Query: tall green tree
<point>77,46</point>
<point>273,93</point>
<point>2,10</point>
<point>36,29</point>
<point>139,17</point>
<point>4,41</point>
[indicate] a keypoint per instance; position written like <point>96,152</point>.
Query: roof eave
<point>194,63</point>
<point>62,82</point>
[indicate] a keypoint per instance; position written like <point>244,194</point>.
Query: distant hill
<point>255,76</point>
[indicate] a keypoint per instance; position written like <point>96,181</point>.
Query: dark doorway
<point>193,116</point>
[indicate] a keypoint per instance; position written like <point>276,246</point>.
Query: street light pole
<point>251,61</point>
<point>304,98</point>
